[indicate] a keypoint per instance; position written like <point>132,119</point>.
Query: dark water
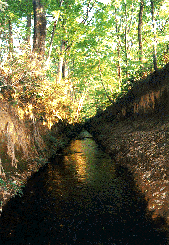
<point>81,198</point>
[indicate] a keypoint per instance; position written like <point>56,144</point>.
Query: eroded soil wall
<point>135,132</point>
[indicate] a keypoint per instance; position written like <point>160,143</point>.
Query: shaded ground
<point>142,146</point>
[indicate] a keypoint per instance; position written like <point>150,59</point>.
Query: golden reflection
<point>83,163</point>
<point>79,160</point>
<point>80,166</point>
<point>88,161</point>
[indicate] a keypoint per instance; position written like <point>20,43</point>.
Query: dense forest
<point>69,59</point>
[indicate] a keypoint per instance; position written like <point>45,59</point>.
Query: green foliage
<point>11,186</point>
<point>40,161</point>
<point>99,41</point>
<point>3,183</point>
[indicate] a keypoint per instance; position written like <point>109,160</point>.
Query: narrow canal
<point>81,198</point>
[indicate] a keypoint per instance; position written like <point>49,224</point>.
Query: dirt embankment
<point>21,149</point>
<point>135,132</point>
<point>26,145</point>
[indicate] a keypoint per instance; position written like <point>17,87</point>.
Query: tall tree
<point>154,33</point>
<point>39,27</point>
<point>140,23</point>
<point>125,37</point>
<point>78,32</point>
<point>62,62</point>
<point>10,38</point>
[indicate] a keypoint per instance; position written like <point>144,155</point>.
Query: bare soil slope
<point>135,132</point>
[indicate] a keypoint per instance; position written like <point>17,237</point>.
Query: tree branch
<point>52,37</point>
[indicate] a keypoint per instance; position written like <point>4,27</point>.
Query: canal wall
<point>26,144</point>
<point>135,133</point>
<point>22,148</point>
<point>147,97</point>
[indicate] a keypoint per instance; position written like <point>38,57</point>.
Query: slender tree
<point>154,33</point>
<point>140,23</point>
<point>125,33</point>
<point>10,38</point>
<point>61,63</point>
<point>53,34</point>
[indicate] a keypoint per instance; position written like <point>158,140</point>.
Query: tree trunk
<point>140,23</point>
<point>126,56</point>
<point>61,62</point>
<point>51,43</point>
<point>155,40</point>
<point>39,28</point>
<point>10,38</point>
<point>64,68</point>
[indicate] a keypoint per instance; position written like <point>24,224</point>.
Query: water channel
<point>81,198</point>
